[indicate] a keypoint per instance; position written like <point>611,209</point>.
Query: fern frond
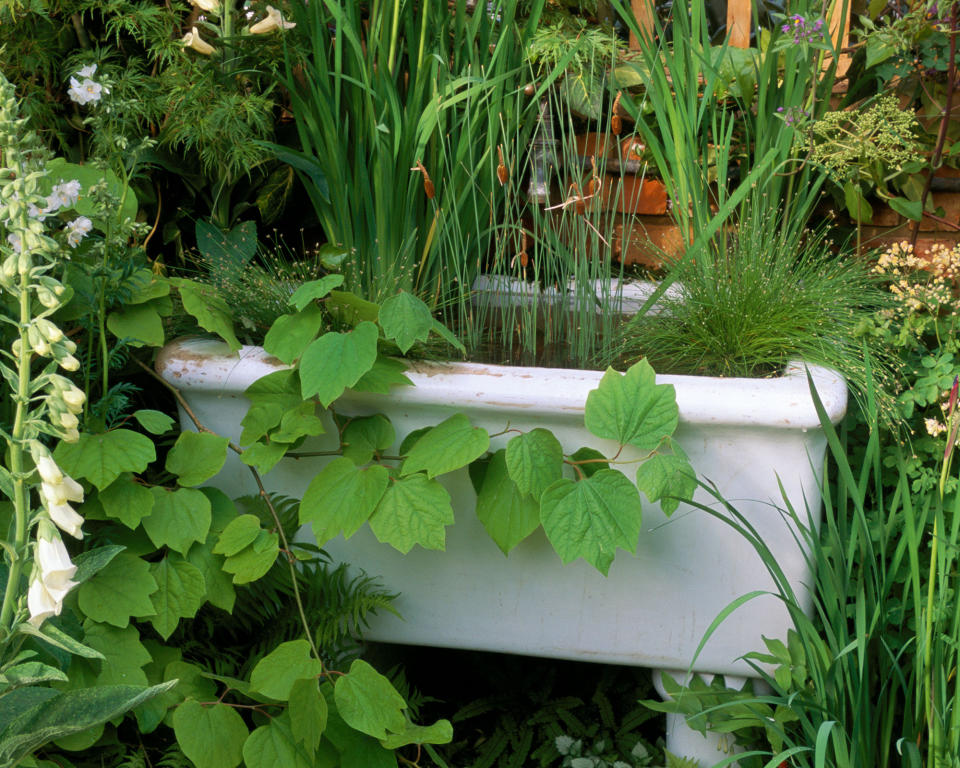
<point>265,613</point>
<point>115,403</point>
<point>173,758</point>
<point>673,761</point>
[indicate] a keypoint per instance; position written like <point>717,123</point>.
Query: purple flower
<point>792,115</point>
<point>803,32</point>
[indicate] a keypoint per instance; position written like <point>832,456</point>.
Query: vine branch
<point>291,560</point>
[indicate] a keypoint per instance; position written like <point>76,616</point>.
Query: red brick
<point>594,145</point>
<point>876,238</point>
<point>646,196</point>
<point>649,241</point>
<point>950,202</point>
<point>884,215</point>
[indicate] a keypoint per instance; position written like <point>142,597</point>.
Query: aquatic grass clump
<point>763,293</point>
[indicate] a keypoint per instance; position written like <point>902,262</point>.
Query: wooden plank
<point>838,26</point>
<point>644,13</point>
<point>739,13</point>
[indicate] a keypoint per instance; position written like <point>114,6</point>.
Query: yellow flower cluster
<point>921,282</point>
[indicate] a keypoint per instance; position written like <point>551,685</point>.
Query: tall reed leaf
<point>867,677</point>
<point>380,86</point>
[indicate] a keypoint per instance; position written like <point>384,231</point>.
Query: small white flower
<point>14,239</point>
<point>76,230</point>
<point>87,92</point>
<point>76,92</point>
<point>36,213</point>
<point>87,72</point>
<point>66,193</point>
<point>53,204</point>
<point>273,21</point>
<point>934,427</point>
<point>193,40</point>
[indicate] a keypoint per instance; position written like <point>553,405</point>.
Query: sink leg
<point>684,741</point>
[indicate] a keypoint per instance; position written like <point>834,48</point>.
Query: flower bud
<point>68,420</point>
<point>69,363</point>
<point>48,330</point>
<point>74,399</point>
<point>9,271</point>
<point>32,241</point>
<point>46,297</point>
<point>37,343</point>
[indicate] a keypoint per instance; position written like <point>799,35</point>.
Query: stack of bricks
<point>637,201</point>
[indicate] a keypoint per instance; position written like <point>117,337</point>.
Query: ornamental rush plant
<point>38,568</point>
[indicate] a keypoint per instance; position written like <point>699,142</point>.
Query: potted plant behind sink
<point>431,485</point>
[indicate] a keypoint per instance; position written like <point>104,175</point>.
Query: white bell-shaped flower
<point>52,577</point>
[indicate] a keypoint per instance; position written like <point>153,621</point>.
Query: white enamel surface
<point>655,605</point>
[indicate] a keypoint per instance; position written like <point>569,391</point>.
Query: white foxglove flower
<point>66,490</point>
<point>49,471</point>
<point>193,40</point>
<point>56,569</point>
<point>208,6</point>
<point>41,603</point>
<point>52,579</point>
<point>273,21</point>
<point>56,496</point>
<point>76,230</point>
<point>66,518</point>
